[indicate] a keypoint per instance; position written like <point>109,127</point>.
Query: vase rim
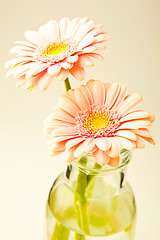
<point>125,158</point>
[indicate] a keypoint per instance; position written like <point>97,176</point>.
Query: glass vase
<point>90,202</point>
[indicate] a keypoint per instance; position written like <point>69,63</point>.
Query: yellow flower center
<point>55,48</point>
<point>96,121</point>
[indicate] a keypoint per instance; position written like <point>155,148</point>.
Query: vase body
<point>85,203</point>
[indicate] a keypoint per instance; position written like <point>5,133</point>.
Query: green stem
<point>81,202</point>
<point>67,84</point>
<point>60,232</point>
<point>79,236</point>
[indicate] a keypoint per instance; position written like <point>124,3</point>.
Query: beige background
<point>131,57</point>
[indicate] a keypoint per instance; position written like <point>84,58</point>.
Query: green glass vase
<point>90,202</point>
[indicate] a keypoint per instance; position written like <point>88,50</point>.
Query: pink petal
<point>63,26</point>
<point>21,52</point>
<point>90,87</point>
<point>103,143</point>
<point>96,56</point>
<point>66,131</point>
<point>135,124</point>
<point>79,151</point>
<point>19,70</point>
<point>81,99</point>
<point>87,93</point>
<point>78,72</point>
<point>131,102</point>
<point>53,30</point>
<point>143,132</point>
<point>36,68</point>
<point>114,162</point>
<point>127,134</point>
<point>63,116</point>
<point>99,46</point>
<point>89,144</point>
<point>73,142</point>
<point>30,84</point>
<point>62,75</point>
<point>100,38</point>
<point>63,138</point>
<point>114,150</point>
<point>82,32</point>
<point>127,125</point>
<point>54,153</point>
<point>139,143</point>
<point>72,27</point>
<point>121,96</point>
<point>16,49</point>
<point>33,37</point>
<point>25,43</point>
<point>68,105</point>
<point>126,143</point>
<point>72,59</point>
<point>150,140</point>
<point>69,156</point>
<point>86,41</point>
<point>66,65</point>
<point>79,28</point>
<point>89,49</point>
<point>101,157</point>
<point>20,81</point>
<point>59,146</point>
<point>106,86</point>
<point>112,94</point>
<point>54,69</point>
<point>45,81</point>
<point>98,93</point>
<point>85,61</point>
<point>12,63</point>
<point>135,115</point>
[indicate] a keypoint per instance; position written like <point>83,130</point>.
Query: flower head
<point>98,118</point>
<point>55,51</point>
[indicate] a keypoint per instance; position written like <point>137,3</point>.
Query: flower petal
<point>127,134</point>
<point>89,144</point>
<point>101,157</point>
<point>103,143</point>
<point>79,151</point>
<point>121,96</point>
<point>68,155</point>
<point>53,30</point>
<point>85,61</point>
<point>77,72</point>
<point>45,81</point>
<point>131,102</point>
<point>114,162</point>
<point>139,143</point>
<point>63,26</point>
<point>114,150</point>
<point>54,69</point>
<point>73,142</point>
<point>68,105</point>
<point>126,143</point>
<point>81,99</point>
<point>33,37</point>
<point>135,115</point>
<point>112,94</point>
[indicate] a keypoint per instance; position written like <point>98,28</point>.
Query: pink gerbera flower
<point>98,118</point>
<point>55,51</point>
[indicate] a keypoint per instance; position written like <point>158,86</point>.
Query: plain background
<point>132,57</point>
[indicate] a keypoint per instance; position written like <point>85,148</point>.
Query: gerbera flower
<point>55,51</point>
<point>98,118</point>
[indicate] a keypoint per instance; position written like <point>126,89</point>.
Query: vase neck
<point>111,176</point>
<point>88,165</point>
